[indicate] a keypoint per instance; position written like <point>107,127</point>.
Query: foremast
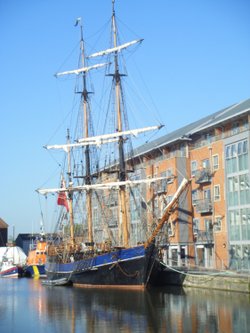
<point>83,70</point>
<point>84,99</point>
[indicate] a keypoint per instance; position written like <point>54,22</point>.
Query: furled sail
<point>66,146</point>
<point>115,49</point>
<point>102,139</point>
<point>133,132</point>
<point>81,70</point>
<point>103,186</point>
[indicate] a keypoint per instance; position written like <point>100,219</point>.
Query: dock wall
<point>217,280</point>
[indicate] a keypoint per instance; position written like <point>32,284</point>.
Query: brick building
<point>211,226</point>
<point>3,233</point>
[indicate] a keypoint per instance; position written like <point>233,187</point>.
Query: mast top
<point>78,21</point>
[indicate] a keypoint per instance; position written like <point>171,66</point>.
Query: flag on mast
<point>62,199</point>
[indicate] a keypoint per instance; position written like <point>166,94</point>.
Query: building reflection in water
<point>67,309</point>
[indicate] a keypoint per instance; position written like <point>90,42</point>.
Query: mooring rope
<point>123,271</point>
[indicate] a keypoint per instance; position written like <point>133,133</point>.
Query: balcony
<point>204,237</point>
<point>203,176</point>
<point>203,206</point>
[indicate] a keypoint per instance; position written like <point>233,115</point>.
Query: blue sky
<point>194,61</point>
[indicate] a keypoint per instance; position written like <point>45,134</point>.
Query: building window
<point>243,155</point>
<point>208,225</point>
<point>207,193</point>
<point>216,192</point>
<point>217,223</point>
<point>196,225</point>
<point>169,173</point>
<point>239,224</point>
<point>245,220</point>
<point>240,146</point>
<point>182,149</point>
<point>237,157</point>
<point>207,138</point>
<point>206,164</point>
<point>215,162</point>
<point>234,225</point>
<point>238,190</point>
<point>233,150</point>
<point>193,168</point>
<point>170,230</point>
<point>233,191</point>
<point>195,196</point>
<point>235,128</point>
<point>162,186</point>
<point>245,124</point>
<point>244,188</point>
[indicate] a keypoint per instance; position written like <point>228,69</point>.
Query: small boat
<point>35,264</point>
<point>12,261</point>
<point>58,282</point>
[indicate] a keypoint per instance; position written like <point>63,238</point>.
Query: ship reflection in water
<point>27,305</point>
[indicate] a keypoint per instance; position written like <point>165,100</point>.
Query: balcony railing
<point>203,206</point>
<point>203,176</point>
<point>204,142</point>
<point>204,237</point>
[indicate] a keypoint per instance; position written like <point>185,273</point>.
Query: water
<point>28,306</point>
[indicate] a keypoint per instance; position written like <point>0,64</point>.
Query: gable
<point>3,225</point>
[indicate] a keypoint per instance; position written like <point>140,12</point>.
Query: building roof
<point>3,225</point>
<point>185,132</point>
<point>28,236</point>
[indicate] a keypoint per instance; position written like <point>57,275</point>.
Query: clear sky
<point>195,60</point>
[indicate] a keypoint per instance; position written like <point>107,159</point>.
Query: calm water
<point>28,306</point>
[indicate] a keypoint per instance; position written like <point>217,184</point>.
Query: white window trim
<point>216,166</point>
<point>193,171</point>
<point>215,219</point>
<point>218,198</point>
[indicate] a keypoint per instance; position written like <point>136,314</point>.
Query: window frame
<point>217,197</point>
<point>215,166</point>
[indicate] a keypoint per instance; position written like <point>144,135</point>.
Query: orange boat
<point>35,264</point>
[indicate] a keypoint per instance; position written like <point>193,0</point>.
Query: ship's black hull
<point>134,267</point>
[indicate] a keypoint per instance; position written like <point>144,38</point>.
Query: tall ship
<point>95,244</point>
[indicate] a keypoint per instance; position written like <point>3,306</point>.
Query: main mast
<point>87,150</point>
<point>122,167</point>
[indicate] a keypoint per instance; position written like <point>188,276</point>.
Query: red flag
<point>62,197</point>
